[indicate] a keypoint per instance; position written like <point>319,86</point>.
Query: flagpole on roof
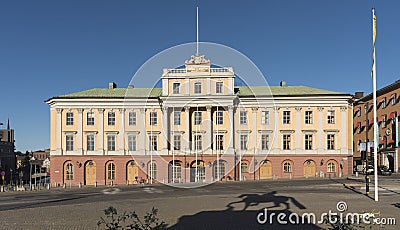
<point>374,99</point>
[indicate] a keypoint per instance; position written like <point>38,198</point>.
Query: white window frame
<point>330,116</point>
<point>177,117</point>
<point>153,118</point>
<point>111,142</point>
<point>197,117</point>
<point>69,142</point>
<point>111,118</point>
<point>176,90</point>
<point>90,118</point>
<point>286,117</point>
<point>219,85</point>
<point>90,142</point>
<point>197,87</point>
<point>308,117</point>
<point>265,117</point>
<point>244,141</point>
<point>243,117</point>
<point>220,117</point>
<point>69,118</point>
<point>132,142</point>
<point>132,118</point>
<point>264,141</point>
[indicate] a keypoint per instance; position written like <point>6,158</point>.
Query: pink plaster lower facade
<point>280,166</point>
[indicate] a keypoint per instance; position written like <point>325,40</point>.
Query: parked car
<point>370,170</point>
<point>384,171</point>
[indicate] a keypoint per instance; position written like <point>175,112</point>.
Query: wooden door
<point>265,170</point>
<point>90,173</point>
<point>309,168</point>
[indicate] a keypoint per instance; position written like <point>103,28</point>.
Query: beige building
<point>199,127</point>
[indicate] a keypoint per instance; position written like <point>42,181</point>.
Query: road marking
<point>111,190</point>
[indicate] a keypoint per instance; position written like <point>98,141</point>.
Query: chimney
<point>112,85</point>
<point>283,84</point>
<point>359,95</point>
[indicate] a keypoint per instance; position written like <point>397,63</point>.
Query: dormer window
<point>197,87</point>
<point>176,88</point>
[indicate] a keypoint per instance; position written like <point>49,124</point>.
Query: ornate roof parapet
<point>198,60</point>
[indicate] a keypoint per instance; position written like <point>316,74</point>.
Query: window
<point>330,141</point>
<point>70,118</point>
<point>69,143</point>
<point>177,117</point>
<point>243,117</point>
<point>69,171</point>
<point>394,99</point>
<point>308,142</point>
<point>132,142</point>
<point>244,167</point>
<point>331,116</point>
<point>132,118</point>
<point>198,143</point>
<point>287,167</point>
<point>286,141</point>
<point>197,87</point>
<point>265,117</point>
<point>111,171</point>
<point>219,169</point>
<point>90,142</point>
<point>218,87</point>
<point>90,118</point>
<point>309,117</point>
<point>243,141</point>
<point>331,167</point>
<point>219,142</point>
<point>177,142</point>
<point>384,120</point>
<point>176,88</point>
<point>286,117</point>
<point>264,141</point>
<point>111,142</point>
<point>384,103</point>
<point>220,118</point>
<point>111,118</point>
<point>152,170</point>
<point>197,118</point>
<point>177,171</point>
<point>153,143</point>
<point>153,118</point>
<point>359,112</point>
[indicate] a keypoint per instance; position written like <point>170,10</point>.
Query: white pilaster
<point>187,129</point>
<point>231,134</point>
<point>275,145</point>
<point>208,86</point>
<point>320,131</point>
<point>208,135</point>
<point>343,128</point>
<point>254,129</point>
<point>165,129</point>
<point>59,131</point>
<point>79,134</point>
<point>142,131</point>
<point>165,87</point>
<point>298,131</point>
<point>101,132</point>
<point>122,131</point>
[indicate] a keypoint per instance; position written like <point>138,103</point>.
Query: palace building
<point>200,126</point>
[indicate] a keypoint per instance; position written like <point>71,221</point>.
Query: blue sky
<point>50,48</point>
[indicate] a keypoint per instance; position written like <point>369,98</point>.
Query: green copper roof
<point>115,93</point>
<point>240,90</point>
<point>281,91</point>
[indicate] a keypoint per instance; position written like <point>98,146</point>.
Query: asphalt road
<point>227,205</point>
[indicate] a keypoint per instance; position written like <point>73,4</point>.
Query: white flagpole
<point>197,30</point>
<point>374,98</point>
<point>217,144</point>
<point>196,143</point>
<point>151,146</point>
<point>173,147</point>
